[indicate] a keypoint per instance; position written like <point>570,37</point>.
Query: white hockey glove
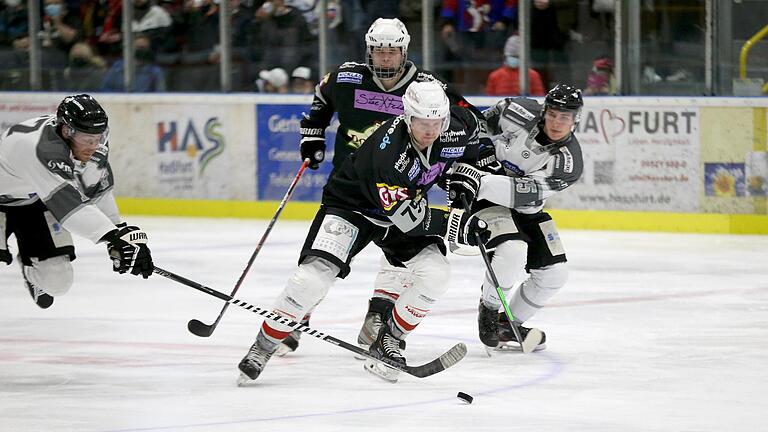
<point>465,179</point>
<point>127,247</point>
<point>463,228</point>
<point>313,148</point>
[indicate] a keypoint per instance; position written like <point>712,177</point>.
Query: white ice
<point>653,332</point>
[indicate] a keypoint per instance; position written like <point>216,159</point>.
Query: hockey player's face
<point>83,145</point>
<point>386,57</point>
<point>425,131</point>
<point>558,124</point>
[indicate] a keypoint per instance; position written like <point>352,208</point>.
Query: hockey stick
<point>201,329</point>
<point>448,359</point>
<point>526,348</point>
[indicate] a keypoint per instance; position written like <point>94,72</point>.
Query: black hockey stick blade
<point>199,328</point>
<point>446,360</point>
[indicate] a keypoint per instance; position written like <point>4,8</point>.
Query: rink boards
<point>652,164</point>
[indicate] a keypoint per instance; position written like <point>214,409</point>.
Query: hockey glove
<point>465,179</point>
<point>487,161</point>
<point>127,247</point>
<point>313,148</point>
<point>463,228</point>
<point>99,157</point>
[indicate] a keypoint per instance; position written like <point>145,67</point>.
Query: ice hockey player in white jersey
<point>536,156</point>
<point>55,180</point>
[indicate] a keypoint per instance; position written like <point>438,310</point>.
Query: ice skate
<point>256,360</point>
<point>40,297</point>
<point>533,338</point>
<point>387,346</point>
<point>377,308</point>
<point>289,344</point>
<point>488,328</point>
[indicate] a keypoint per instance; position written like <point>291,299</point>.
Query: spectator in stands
<point>85,71</point>
<point>301,80</point>
<point>148,19</point>
<point>61,29</point>
<point>149,77</point>
<point>553,25</point>
<point>294,45</point>
<point>505,81</point>
<point>14,24</point>
<point>475,29</point>
<point>600,81</point>
<point>272,81</point>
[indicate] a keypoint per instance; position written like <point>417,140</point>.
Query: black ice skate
<point>256,360</point>
<point>533,338</point>
<point>377,307</point>
<point>40,297</point>
<point>487,325</point>
<point>387,346</point>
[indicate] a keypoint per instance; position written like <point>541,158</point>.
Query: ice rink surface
<point>653,332</point>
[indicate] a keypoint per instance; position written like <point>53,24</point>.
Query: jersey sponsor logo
<point>378,102</point>
<point>431,174</point>
<point>452,152</point>
<point>512,167</point>
<point>567,160</point>
<point>390,195</point>
<point>61,168</point>
<point>349,77</point>
<point>415,170</point>
<point>452,136</point>
<point>357,138</point>
<point>519,110</point>
<point>386,140</point>
<point>350,65</point>
<point>402,162</point>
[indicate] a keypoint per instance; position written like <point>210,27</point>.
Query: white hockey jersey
<point>36,163</point>
<point>534,167</point>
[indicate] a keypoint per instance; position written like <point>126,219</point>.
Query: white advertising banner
<point>637,158</point>
<point>185,151</point>
<point>18,111</point>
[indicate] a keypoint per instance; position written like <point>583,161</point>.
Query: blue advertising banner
<point>278,158</point>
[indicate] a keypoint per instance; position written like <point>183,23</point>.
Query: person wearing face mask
<point>85,70</point>
<point>55,179</point>
<point>14,23</point>
<point>61,29</point>
<point>505,81</point>
<point>149,77</point>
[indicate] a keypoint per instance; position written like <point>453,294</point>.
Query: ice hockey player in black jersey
<point>536,156</point>
<point>381,187</point>
<point>55,180</point>
<point>364,95</point>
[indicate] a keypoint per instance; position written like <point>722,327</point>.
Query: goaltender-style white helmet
<point>426,100</point>
<point>387,32</point>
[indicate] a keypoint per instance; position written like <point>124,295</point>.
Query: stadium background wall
<point>651,164</point>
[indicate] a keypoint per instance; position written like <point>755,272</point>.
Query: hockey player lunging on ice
<point>536,156</point>
<point>381,187</point>
<point>55,180</point>
<point>365,95</point>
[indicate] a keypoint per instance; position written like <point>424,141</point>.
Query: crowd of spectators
<point>177,43</point>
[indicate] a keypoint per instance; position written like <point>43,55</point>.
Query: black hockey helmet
<point>83,114</point>
<point>563,97</point>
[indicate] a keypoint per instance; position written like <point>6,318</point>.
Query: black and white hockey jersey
<point>535,168</point>
<point>387,178</point>
<point>36,163</point>
<point>362,104</point>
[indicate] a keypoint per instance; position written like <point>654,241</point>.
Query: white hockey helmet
<point>426,100</point>
<point>387,32</point>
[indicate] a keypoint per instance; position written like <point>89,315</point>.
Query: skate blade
<point>515,347</point>
<point>489,350</point>
<point>243,380</point>
<point>380,370</point>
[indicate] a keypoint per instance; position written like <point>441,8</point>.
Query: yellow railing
<point>745,50</point>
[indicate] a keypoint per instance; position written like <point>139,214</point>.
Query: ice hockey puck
<point>465,397</point>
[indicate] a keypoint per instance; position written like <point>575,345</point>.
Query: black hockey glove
<point>463,228</point>
<point>313,148</point>
<point>465,179</point>
<point>487,161</point>
<point>127,247</point>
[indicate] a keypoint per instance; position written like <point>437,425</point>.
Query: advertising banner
<point>278,156</point>
<point>637,158</point>
<point>182,151</point>
<point>16,112</point>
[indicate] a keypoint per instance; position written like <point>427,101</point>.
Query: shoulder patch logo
<point>349,77</point>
